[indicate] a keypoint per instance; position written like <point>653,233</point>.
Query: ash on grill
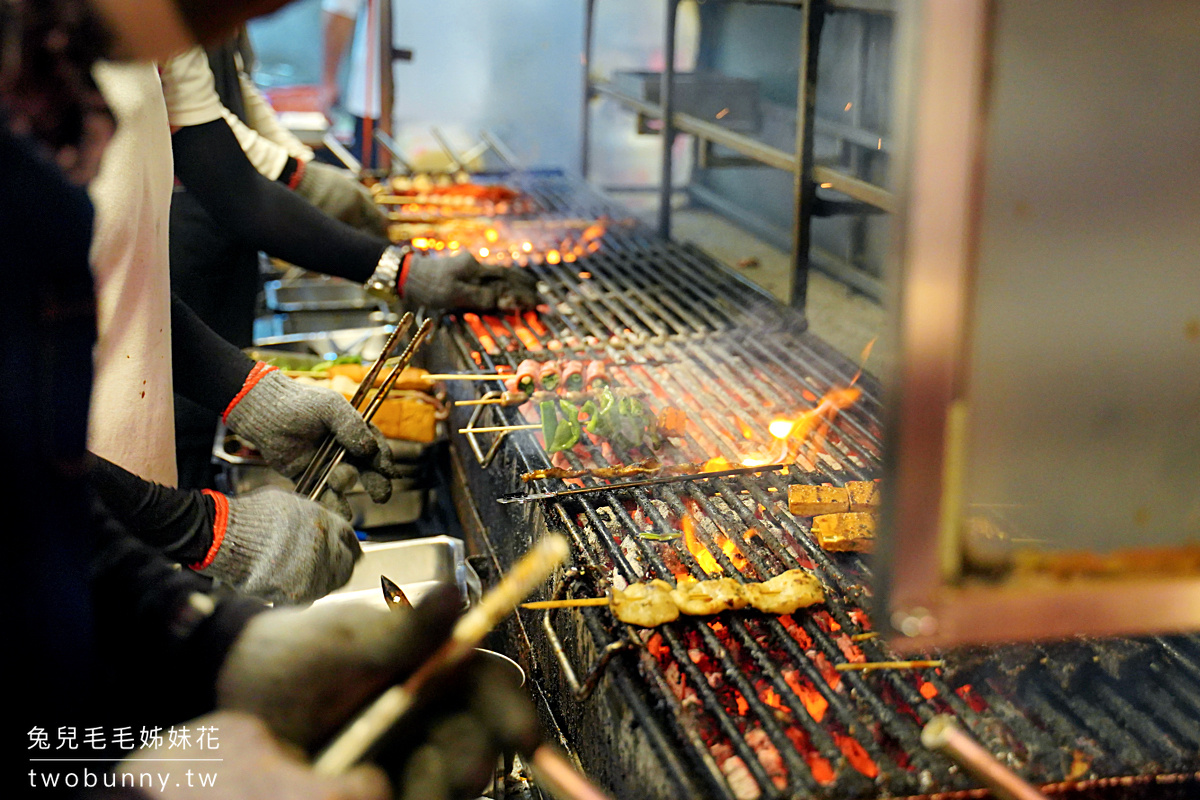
<point>743,705</point>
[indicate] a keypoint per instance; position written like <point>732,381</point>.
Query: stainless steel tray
<point>317,294</point>
<point>415,565</point>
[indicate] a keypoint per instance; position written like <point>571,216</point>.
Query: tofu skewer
<point>657,602</point>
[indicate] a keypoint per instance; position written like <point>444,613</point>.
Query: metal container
<point>318,294</point>
<point>415,565</point>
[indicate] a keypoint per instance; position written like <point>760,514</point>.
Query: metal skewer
<point>309,476</point>
<point>613,487</point>
<point>376,401</point>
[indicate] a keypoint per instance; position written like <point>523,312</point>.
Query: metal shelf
<point>799,163</point>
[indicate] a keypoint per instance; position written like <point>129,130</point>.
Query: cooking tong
<point>315,477</point>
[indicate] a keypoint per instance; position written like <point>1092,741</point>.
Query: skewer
<point>309,476</point>
<point>501,429</point>
<point>468,376</point>
<point>376,400</point>
<point>613,487</point>
<point>365,731</point>
<point>511,400</point>
<point>864,666</point>
<point>862,637</point>
<point>578,602</point>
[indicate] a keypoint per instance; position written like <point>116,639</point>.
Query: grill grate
<point>752,703</point>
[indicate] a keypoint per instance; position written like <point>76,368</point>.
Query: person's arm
<point>262,118</point>
<point>264,214</point>
<point>176,522</point>
<point>338,18</point>
<point>206,369</point>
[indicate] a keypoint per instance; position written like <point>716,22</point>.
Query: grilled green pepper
<point>549,411</point>
<point>569,429</point>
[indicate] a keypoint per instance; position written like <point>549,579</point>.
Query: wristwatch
<point>383,281</point>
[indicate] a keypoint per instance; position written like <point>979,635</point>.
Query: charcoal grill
<point>741,705</point>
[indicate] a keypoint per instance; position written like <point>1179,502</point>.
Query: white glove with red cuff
<point>288,421</point>
<point>279,547</point>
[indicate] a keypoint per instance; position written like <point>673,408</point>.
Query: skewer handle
<point>577,602</point>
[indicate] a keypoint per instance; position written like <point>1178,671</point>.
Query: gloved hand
<point>288,421</point>
<point>338,194</point>
<point>253,765</point>
<point>305,673</point>
<point>459,281</point>
<point>280,547</point>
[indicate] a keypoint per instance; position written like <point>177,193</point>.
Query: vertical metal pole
<point>387,90</point>
<point>585,126</point>
<point>667,99</point>
<point>811,19</point>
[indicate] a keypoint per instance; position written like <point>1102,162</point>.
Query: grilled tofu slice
<point>853,531</point>
<point>864,495</point>
<point>808,501</point>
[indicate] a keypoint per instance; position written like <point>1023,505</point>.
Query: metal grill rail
<point>688,333</point>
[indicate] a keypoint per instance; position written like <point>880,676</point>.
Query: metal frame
<point>800,163</point>
<point>929,604</point>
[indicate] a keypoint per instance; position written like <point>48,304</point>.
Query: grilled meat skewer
<point>657,602</point>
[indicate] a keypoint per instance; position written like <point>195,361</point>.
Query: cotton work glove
<point>253,765</point>
<point>288,421</point>
<point>459,281</point>
<point>306,673</point>
<point>338,194</point>
<point>280,547</point>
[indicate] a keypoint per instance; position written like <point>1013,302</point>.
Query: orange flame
<point>771,697</point>
<point>717,464</point>
<point>704,558</point>
<point>799,428</point>
<point>742,705</point>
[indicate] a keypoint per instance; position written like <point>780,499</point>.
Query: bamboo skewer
<point>577,602</point>
<point>501,429</point>
<point>866,666</point>
<point>467,376</point>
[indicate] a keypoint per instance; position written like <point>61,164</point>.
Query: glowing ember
<point>721,114</point>
<point>484,252</point>
<point>553,257</point>
<point>856,755</point>
<point>492,235</point>
<point>928,690</point>
<point>584,276</point>
<point>527,247</point>
<point>814,703</point>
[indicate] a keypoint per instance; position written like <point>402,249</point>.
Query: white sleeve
<point>267,157</point>
<point>343,8</point>
<point>189,89</point>
<point>262,119</point>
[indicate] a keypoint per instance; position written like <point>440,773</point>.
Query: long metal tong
<point>315,477</point>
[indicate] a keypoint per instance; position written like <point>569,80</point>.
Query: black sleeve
<point>163,633</point>
<point>206,369</point>
<point>264,214</point>
<point>176,522</point>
